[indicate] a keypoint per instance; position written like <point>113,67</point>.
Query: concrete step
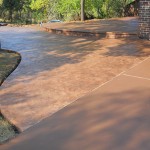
<point>108,35</point>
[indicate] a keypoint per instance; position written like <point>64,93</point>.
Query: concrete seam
<point>136,77</point>
<point>139,63</point>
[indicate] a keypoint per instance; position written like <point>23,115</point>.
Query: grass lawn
<point>8,62</point>
<point>7,131</point>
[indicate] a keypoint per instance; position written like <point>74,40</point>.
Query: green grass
<point>8,62</point>
<point>7,131</point>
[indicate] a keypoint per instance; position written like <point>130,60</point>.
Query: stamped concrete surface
<point>126,25</point>
<point>113,117</point>
<point>56,70</point>
<point>141,71</point>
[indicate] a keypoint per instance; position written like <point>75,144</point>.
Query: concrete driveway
<point>56,70</point>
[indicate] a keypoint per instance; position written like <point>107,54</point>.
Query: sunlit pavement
<point>115,116</point>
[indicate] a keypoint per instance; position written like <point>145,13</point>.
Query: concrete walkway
<point>115,116</point>
<point>57,70</point>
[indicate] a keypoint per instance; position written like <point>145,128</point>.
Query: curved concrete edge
<point>16,65</point>
<point>108,35</point>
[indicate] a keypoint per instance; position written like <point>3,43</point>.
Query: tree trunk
<point>10,15</point>
<point>82,10</point>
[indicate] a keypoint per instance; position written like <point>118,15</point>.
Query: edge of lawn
<point>10,129</point>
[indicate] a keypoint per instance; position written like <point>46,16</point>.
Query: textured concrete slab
<point>115,116</point>
<point>127,24</point>
<point>141,70</point>
<point>56,70</point>
<point>109,28</point>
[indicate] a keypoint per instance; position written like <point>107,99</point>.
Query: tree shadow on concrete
<point>129,24</point>
<point>112,121</point>
<point>46,51</point>
<point>130,47</point>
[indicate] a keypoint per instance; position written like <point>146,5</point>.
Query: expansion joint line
<point>136,77</point>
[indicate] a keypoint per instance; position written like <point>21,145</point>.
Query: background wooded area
<point>34,11</point>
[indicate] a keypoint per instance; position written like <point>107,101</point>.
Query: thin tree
<point>82,10</point>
